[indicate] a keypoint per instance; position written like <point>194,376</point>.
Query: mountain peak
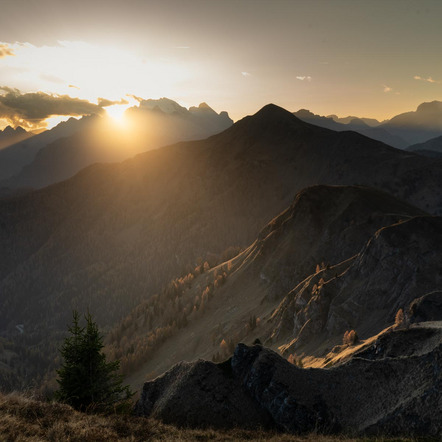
<point>204,105</point>
<point>202,108</point>
<point>164,104</point>
<point>432,106</point>
<point>304,113</point>
<point>272,110</point>
<point>8,130</point>
<point>271,113</point>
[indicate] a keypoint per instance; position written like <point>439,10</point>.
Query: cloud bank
<point>31,109</point>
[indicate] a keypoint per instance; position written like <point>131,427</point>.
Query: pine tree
<point>86,380</point>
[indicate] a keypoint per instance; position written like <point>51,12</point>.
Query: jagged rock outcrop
<point>403,400</point>
<point>201,394</point>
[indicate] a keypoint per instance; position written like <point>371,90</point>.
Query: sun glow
<point>117,114</point>
<point>90,71</point>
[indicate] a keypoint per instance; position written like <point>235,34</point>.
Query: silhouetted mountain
<point>9,136</point>
<point>153,124</point>
<point>317,120</point>
<point>418,126</point>
<point>372,122</point>
<point>431,148</point>
<point>400,131</point>
<point>18,155</point>
<point>355,124</point>
<point>113,235</point>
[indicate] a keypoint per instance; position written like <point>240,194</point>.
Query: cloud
<point>73,86</point>
<point>31,109</point>
<point>139,99</point>
<point>428,80</point>
<point>304,77</point>
<point>104,102</point>
<point>246,74</point>
<point>387,89</point>
<point>5,50</point>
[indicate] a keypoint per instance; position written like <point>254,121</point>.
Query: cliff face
<point>377,391</point>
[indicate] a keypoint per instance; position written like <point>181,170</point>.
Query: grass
<point>26,419</point>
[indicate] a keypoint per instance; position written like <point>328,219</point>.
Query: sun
<point>117,115</point>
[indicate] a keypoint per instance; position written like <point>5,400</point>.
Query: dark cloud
<point>103,102</point>
<point>31,109</point>
<point>5,50</point>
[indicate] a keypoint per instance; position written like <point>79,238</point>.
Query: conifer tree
<point>86,379</point>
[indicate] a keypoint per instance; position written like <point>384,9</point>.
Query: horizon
<point>345,58</point>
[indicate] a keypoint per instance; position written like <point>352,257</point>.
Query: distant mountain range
<point>61,152</point>
<point>57,154</point>
<point>401,131</point>
<point>112,236</point>
<point>431,148</point>
<point>15,156</point>
<point>372,122</point>
<point>9,136</point>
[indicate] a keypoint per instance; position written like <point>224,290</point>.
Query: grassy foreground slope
<point>25,419</point>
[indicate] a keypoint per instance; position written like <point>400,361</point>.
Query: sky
<point>346,57</point>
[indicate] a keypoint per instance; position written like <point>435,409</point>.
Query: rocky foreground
<point>386,388</point>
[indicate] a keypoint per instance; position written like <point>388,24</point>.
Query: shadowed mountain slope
<point>325,225</point>
<point>397,266</point>
<point>114,234</point>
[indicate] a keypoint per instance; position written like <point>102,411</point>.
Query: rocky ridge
<point>343,399</point>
